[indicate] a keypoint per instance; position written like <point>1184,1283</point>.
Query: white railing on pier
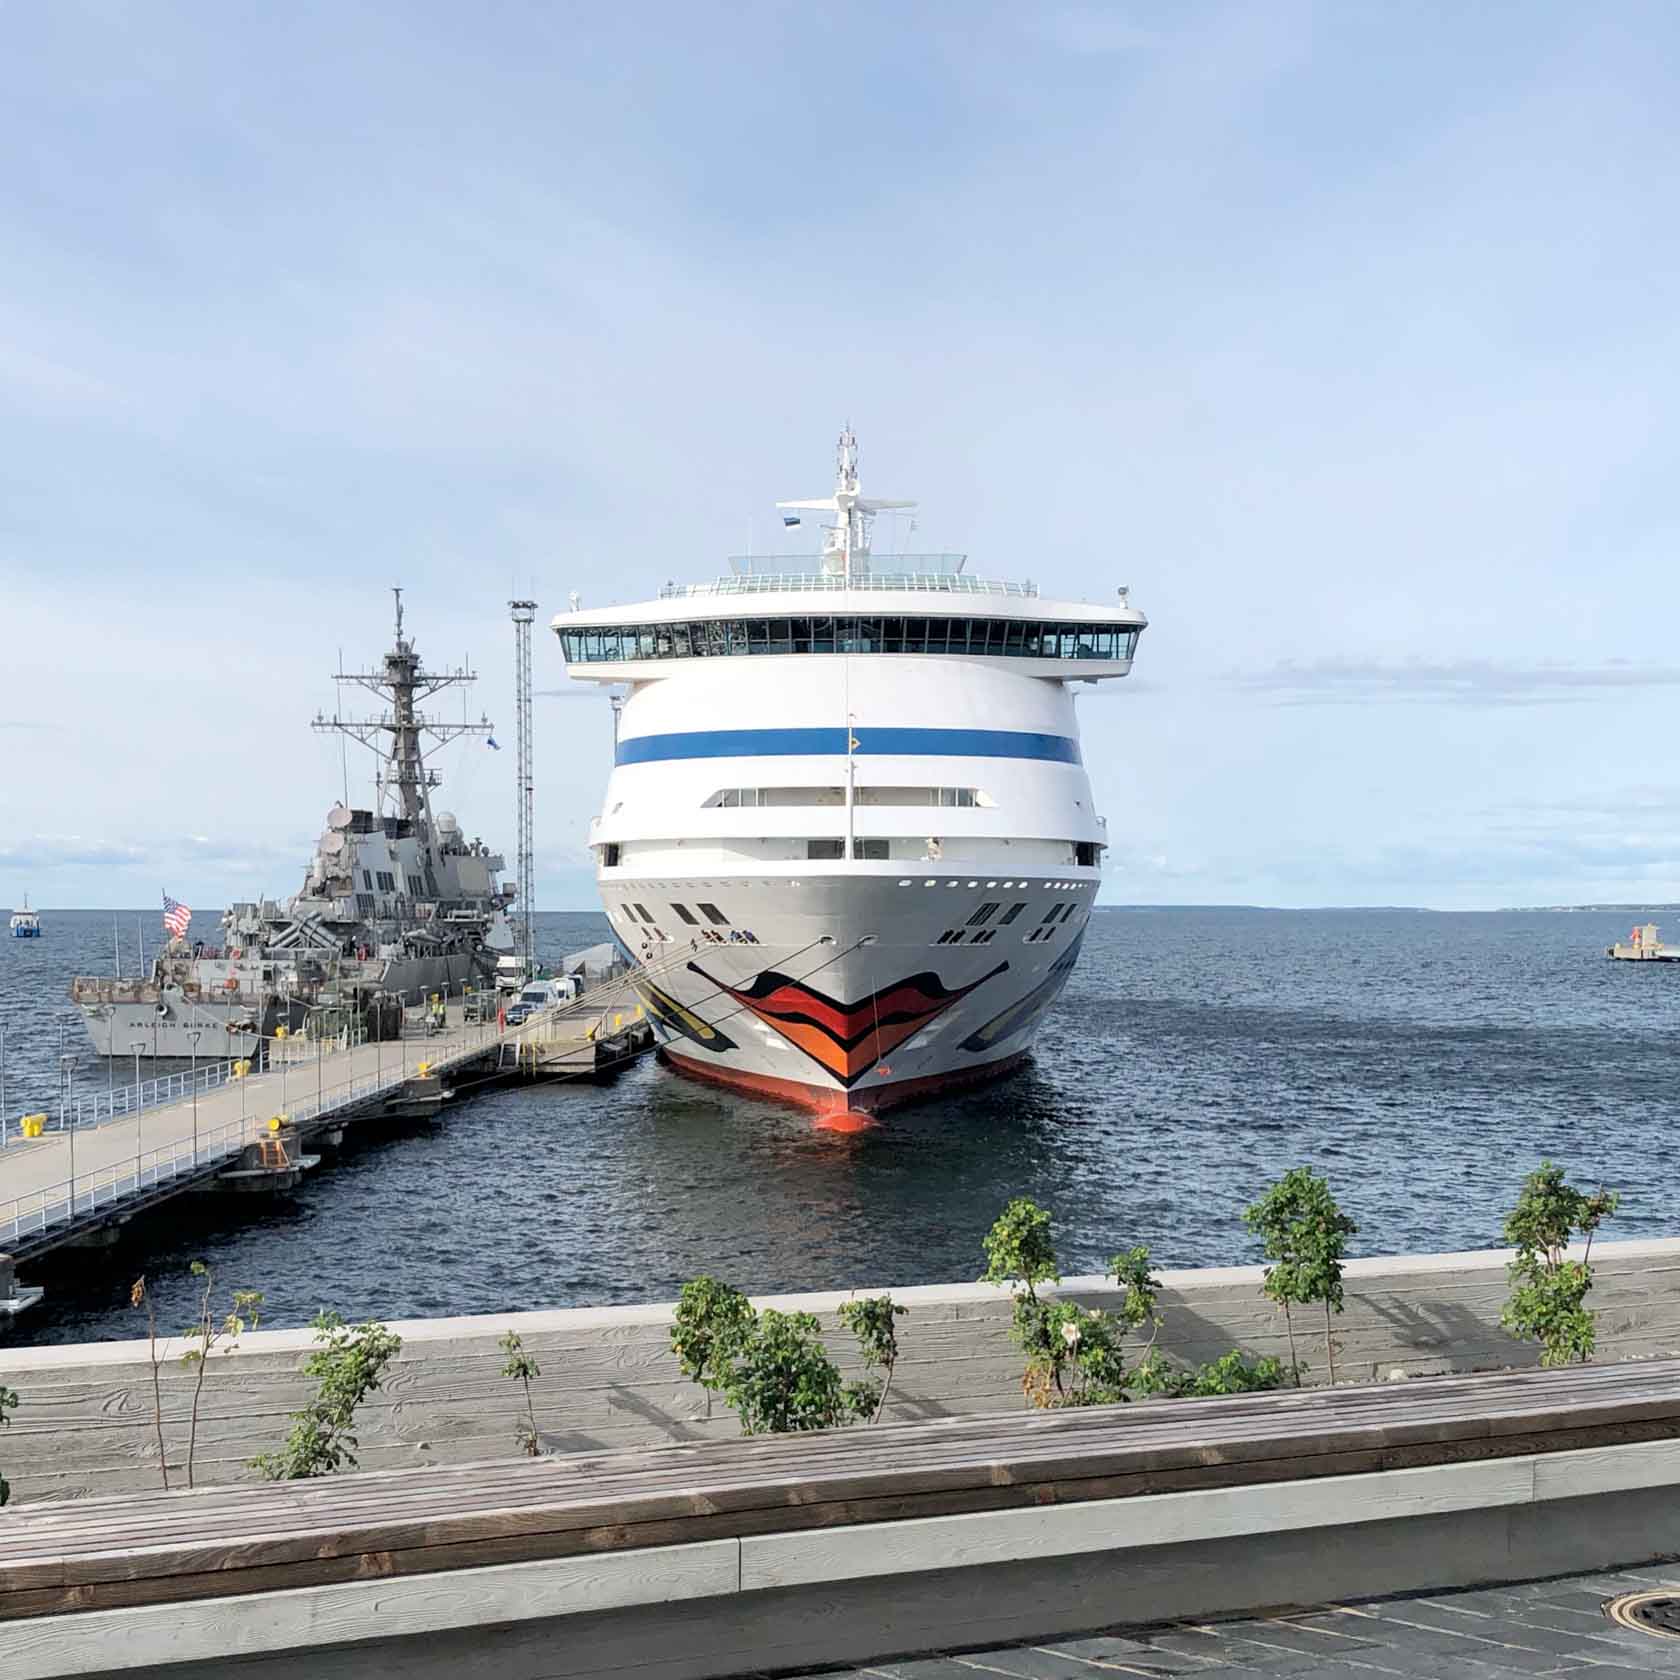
<point>70,1199</point>
<point>91,1110</point>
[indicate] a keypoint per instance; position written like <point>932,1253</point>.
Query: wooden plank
<point>462,1542</point>
<point>489,1538</point>
<point>926,1444</point>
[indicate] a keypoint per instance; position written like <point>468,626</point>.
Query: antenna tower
<point>523,613</point>
<point>399,737</point>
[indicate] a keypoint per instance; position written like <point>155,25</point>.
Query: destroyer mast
<point>404,780</point>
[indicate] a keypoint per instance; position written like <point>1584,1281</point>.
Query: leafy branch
<point>8,1401</point>
<point>524,1367</point>
<point>1305,1235</point>
<point>348,1366</point>
<point>207,1333</point>
<point>871,1320</point>
<point>1548,1290</point>
<point>770,1367</point>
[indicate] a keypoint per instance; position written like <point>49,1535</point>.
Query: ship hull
<point>853,993</point>
<point>162,1022</point>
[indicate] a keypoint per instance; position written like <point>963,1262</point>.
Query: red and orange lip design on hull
<point>846,1039</point>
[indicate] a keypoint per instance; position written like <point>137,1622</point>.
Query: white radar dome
<point>447,824</point>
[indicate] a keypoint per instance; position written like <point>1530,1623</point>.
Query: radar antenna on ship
<point>403,737</point>
<point>845,550</point>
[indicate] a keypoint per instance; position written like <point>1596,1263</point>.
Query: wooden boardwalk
<point>144,1549</point>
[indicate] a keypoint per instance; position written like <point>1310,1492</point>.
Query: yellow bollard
<point>276,1121</point>
<point>33,1125</point>
<point>280,1032</point>
<point>240,1069</point>
<point>618,1021</point>
<point>425,1069</point>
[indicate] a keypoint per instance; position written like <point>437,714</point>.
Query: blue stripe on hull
<point>771,743</point>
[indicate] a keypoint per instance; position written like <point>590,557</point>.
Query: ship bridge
<point>929,608</point>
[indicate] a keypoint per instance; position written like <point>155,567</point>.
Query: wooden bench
<point>59,1559</point>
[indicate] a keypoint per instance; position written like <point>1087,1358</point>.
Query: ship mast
<point>404,737</point>
<point>845,550</point>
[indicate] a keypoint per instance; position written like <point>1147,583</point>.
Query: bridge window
<point>1011,913</point>
<point>823,850</point>
<point>686,914</point>
<point>1007,638</point>
<point>983,915</point>
<point>714,915</point>
<point>874,849</point>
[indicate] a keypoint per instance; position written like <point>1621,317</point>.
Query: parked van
<point>539,994</point>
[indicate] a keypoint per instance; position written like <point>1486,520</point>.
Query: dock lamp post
<point>65,1064</point>
<point>137,1046</point>
<point>193,1033</point>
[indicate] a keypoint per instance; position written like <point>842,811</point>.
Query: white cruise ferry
<point>848,834</point>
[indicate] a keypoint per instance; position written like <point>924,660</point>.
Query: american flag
<point>177,918</point>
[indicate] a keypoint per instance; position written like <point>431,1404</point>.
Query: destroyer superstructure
<point>395,903</point>
<point>852,786</point>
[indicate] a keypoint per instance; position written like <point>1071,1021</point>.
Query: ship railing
<point>922,583</point>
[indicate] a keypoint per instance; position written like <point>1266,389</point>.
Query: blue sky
<point>1343,334</point>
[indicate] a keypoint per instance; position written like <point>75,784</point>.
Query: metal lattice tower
<point>523,614</point>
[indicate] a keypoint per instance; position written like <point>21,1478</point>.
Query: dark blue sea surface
<point>1424,1061</point>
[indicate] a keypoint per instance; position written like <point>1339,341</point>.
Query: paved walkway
<point>1539,1628</point>
<point>34,1174</point>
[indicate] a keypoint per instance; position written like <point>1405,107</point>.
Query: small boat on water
<point>26,924</point>
<point>1644,946</point>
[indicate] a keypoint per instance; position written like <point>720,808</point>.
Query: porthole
<point>905,883</point>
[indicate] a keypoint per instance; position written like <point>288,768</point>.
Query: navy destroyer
<point>396,904</point>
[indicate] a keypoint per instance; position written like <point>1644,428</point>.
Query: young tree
<point>1075,1356</point>
<point>770,1367</point>
<point>1549,1290</point>
<point>347,1367</point>
<point>8,1400</point>
<point>522,1366</point>
<point>871,1321</point>
<point>140,1296</point>
<point>208,1334</point>
<point>1305,1236</point>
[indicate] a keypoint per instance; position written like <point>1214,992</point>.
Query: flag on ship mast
<point>177,918</point>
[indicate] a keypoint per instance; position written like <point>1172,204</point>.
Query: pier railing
<point>74,1198</point>
<point>123,1102</point>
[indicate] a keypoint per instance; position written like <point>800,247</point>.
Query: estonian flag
<point>790,518</point>
<point>491,742</point>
